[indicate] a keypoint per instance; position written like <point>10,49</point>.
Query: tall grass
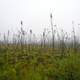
<point>25,58</point>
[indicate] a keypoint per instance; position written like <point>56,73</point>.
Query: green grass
<point>38,64</point>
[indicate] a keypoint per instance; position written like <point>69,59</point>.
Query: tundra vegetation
<point>55,57</point>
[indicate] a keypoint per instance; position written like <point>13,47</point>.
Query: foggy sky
<point>35,14</point>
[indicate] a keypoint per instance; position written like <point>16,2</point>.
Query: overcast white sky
<point>36,14</point>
